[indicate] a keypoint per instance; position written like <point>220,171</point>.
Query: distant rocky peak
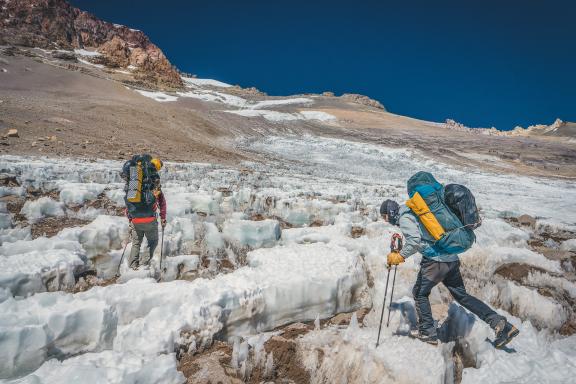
<point>55,24</point>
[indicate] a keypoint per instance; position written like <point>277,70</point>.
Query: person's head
<point>157,163</point>
<point>389,210</point>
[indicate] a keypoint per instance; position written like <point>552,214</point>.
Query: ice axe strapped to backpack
<point>449,213</point>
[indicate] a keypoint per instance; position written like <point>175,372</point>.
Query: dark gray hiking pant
<point>434,272</point>
<point>150,230</point>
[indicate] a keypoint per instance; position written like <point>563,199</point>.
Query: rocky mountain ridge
<point>55,24</point>
<point>558,128</point>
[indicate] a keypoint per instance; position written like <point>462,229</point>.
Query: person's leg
<point>415,292</point>
<point>421,291</point>
<point>137,235</point>
<point>151,231</point>
<point>453,281</point>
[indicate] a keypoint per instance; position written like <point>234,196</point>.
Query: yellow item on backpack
<point>157,163</point>
<point>420,208</point>
<point>135,184</point>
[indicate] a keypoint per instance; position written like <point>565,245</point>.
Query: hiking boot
<point>505,332</point>
<point>430,339</point>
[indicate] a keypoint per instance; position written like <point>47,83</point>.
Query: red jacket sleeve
<point>162,204</point>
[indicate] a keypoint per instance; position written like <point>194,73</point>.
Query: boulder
<point>361,99</point>
<point>116,51</point>
<point>527,221</point>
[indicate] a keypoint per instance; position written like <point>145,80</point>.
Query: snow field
<point>5,220</point>
<point>11,191</point>
<point>390,168</point>
<point>50,264</point>
<point>254,234</point>
<point>38,271</point>
<point>132,317</point>
<point>44,206</point>
<point>78,193</point>
<point>537,357</point>
<point>350,356</point>
<point>568,245</point>
<point>180,266</point>
<point>498,242</point>
<point>316,268</point>
<point>528,303</point>
<point>95,368</point>
<point>56,325</point>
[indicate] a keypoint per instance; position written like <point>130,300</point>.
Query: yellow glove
<point>394,258</point>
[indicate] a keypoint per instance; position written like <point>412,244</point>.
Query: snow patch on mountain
<point>161,97</point>
<point>198,90</point>
<point>84,52</point>
<point>195,82</point>
<point>275,116</point>
<point>215,97</point>
<point>99,66</point>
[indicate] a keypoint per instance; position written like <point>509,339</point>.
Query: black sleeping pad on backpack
<point>461,201</point>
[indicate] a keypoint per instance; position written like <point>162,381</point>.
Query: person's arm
<point>412,238</point>
<point>413,242</point>
<point>162,204</point>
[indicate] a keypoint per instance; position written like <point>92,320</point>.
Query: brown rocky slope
<point>55,24</point>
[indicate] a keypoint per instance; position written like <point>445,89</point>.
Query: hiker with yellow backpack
<point>438,222</point>
<point>143,199</point>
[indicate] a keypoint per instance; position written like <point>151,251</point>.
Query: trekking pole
<point>391,295</point>
<point>124,251</point>
<point>161,251</point>
<point>121,259</point>
<point>395,246</point>
<point>383,306</point>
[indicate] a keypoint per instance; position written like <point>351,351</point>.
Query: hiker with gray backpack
<point>438,222</point>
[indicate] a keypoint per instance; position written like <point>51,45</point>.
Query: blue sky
<point>483,63</point>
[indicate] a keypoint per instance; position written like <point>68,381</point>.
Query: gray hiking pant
<point>448,273</point>
<point>150,230</point>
